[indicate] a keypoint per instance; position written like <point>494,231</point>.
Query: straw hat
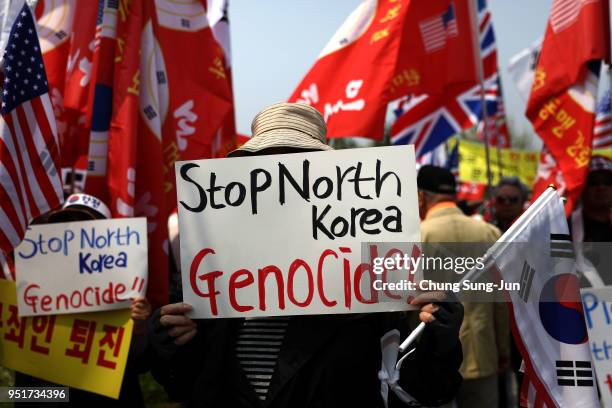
<point>292,125</point>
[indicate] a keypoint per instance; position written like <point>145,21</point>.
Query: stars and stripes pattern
<point>436,30</point>
<point>427,121</point>
<point>565,12</point>
<point>30,182</point>
<point>602,134</point>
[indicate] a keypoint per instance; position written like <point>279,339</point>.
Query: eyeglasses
<point>507,199</point>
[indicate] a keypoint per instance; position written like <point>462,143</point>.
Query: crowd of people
<point>465,356</point>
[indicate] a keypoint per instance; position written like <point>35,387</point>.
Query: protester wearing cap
<point>484,333</point>
<point>303,361</point>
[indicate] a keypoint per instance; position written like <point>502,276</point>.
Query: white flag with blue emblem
<point>548,321</point>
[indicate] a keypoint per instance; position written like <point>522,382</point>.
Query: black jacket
<point>325,361</point>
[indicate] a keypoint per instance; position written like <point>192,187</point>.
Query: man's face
<point>598,191</point>
<point>508,202</point>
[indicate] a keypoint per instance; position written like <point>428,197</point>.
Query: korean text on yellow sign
<point>87,351</point>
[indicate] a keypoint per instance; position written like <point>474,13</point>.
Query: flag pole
<point>499,146</point>
<point>511,235</point>
<point>480,75</point>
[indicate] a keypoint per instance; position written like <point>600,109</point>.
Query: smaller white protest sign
<point>81,266</point>
<point>597,305</point>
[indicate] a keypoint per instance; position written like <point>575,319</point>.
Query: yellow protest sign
<point>518,163</point>
<point>473,166</point>
<point>515,163</point>
<point>87,350</point>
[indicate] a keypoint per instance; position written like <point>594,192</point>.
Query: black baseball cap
<point>437,180</point>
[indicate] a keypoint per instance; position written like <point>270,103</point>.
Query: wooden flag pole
<point>480,75</point>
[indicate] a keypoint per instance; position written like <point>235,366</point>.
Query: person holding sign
<point>84,207</point>
<point>329,360</point>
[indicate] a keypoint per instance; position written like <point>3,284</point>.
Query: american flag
<point>435,30</point>
<point>427,121</point>
<point>30,182</point>
<point>496,124</point>
<point>602,134</point>
<point>565,12</point>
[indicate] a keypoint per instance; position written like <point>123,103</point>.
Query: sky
<point>275,42</point>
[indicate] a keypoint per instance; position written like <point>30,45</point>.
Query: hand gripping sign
<point>81,266</point>
<point>282,234</point>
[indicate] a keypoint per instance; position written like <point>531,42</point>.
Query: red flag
<point>198,97</point>
<point>577,32</point>
<point>30,182</point>
<point>361,69</point>
<point>67,47</point>
<point>225,139</point>
<point>443,56</point>
<point>123,132</point>
<point>135,181</point>
<point>349,82</point>
<point>562,101</point>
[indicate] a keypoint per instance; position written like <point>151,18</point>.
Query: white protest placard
<point>282,234</point>
<point>597,304</point>
<point>81,266</point>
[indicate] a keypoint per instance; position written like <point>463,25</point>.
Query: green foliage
<point>7,377</point>
<point>154,394</point>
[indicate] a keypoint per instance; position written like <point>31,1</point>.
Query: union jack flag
<point>602,134</point>
<point>427,121</point>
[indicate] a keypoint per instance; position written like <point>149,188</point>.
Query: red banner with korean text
<point>135,177</point>
<point>66,29</point>
<point>195,95</point>
<point>577,32</point>
<point>562,99</point>
<point>349,81</point>
<point>436,50</point>
<point>565,123</point>
<point>384,50</point>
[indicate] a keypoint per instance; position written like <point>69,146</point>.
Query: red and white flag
<point>66,29</point>
<point>226,139</point>
<point>385,50</point>
<point>30,183</point>
<point>546,313</point>
<point>561,105</point>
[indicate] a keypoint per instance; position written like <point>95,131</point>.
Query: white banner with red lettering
<point>283,234</point>
<point>81,266</point>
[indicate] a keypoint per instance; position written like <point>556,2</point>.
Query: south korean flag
<point>548,321</point>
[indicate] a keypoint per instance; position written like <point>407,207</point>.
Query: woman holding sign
<point>306,360</point>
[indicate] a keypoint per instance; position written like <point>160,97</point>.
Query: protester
<point>597,201</point>
<point>84,207</point>
<point>485,332</point>
<point>591,225</point>
<point>508,202</point>
<point>300,361</point>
